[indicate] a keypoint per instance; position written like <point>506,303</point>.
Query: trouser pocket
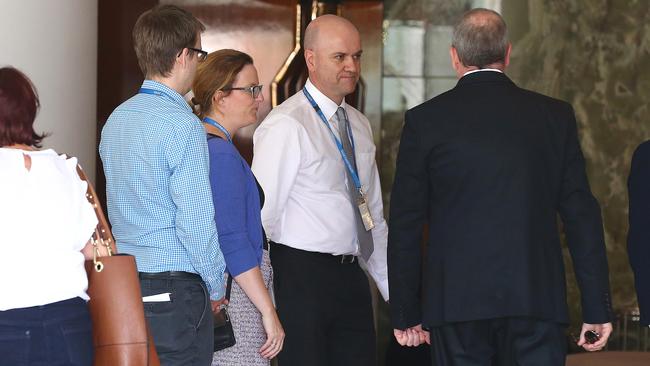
<point>174,323</point>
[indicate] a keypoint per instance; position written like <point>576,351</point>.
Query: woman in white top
<point>45,224</point>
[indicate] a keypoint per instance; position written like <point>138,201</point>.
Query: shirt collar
<point>324,103</point>
<point>479,70</point>
<point>150,84</point>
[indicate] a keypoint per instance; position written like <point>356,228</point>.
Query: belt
<point>174,275</point>
<point>345,258</point>
<point>341,259</point>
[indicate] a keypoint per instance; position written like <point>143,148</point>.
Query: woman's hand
<point>252,283</point>
<point>274,335</point>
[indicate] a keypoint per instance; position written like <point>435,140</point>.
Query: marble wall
<point>593,53</point>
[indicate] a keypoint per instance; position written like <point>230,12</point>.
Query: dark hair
<point>160,34</point>
<point>18,106</point>
<point>217,72</point>
<point>480,38</point>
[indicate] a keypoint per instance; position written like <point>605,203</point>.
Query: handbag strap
<point>102,233</point>
<point>228,287</point>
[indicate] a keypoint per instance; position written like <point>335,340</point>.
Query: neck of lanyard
<point>337,141</point>
<point>159,93</point>
<point>218,125</point>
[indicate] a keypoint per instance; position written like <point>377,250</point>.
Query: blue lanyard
<point>216,124</point>
<point>339,145</point>
<point>159,93</point>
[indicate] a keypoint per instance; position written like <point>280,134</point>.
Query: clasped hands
<point>412,337</point>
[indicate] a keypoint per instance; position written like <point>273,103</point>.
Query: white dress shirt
<point>45,221</point>
<point>308,205</point>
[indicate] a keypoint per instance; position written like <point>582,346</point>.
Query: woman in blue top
<point>227,96</point>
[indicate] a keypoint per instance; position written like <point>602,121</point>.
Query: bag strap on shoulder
<point>102,233</point>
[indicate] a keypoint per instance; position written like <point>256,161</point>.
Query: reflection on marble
<point>594,54</point>
<point>437,42</point>
<point>404,43</point>
<point>400,94</point>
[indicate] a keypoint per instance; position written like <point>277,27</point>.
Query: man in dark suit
<point>638,240</point>
<point>489,166</point>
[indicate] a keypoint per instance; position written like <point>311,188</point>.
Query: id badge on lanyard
<point>364,211</point>
<point>362,199</point>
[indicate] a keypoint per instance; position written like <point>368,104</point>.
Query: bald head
<point>481,38</point>
<point>326,26</point>
<point>333,56</point>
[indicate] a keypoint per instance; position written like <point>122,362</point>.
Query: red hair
<point>18,106</point>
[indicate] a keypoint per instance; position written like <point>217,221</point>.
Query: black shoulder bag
<point>224,336</point>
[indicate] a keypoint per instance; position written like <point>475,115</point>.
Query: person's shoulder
<point>294,106</point>
<point>643,151</point>
<point>287,114</point>
<point>147,107</point>
<point>121,112</point>
<point>545,99</point>
<point>442,100</point>
<point>218,145</point>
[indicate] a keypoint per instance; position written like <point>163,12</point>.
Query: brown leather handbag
<point>120,333</point>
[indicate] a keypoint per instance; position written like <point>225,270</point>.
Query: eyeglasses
<point>200,54</point>
<point>253,90</point>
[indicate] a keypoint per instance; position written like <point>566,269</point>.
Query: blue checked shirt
<point>156,163</point>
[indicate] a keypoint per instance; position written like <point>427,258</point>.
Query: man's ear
<point>309,59</point>
<point>182,56</point>
<point>506,61</point>
<point>455,60</point>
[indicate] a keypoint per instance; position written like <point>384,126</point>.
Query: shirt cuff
<point>216,287</point>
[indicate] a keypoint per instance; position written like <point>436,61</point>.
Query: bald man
<point>489,166</point>
<point>314,157</point>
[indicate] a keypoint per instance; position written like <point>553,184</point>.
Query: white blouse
<point>45,221</point>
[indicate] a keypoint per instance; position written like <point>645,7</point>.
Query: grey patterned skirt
<point>247,325</point>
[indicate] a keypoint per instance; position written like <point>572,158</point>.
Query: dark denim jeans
<point>57,334</point>
<point>183,327</point>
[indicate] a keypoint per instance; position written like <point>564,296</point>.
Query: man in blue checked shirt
<point>156,164</point>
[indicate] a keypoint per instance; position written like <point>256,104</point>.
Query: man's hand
<point>412,337</point>
<point>605,330</point>
<point>216,304</point>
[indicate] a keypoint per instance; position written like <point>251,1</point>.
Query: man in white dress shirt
<point>314,157</point>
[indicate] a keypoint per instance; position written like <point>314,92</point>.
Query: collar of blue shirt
<point>173,94</point>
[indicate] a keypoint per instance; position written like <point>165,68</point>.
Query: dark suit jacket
<point>489,165</point>
<point>638,240</point>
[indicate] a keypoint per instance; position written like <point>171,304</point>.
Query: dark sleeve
<point>580,213</point>
<point>228,183</point>
<point>638,240</point>
<point>408,212</point>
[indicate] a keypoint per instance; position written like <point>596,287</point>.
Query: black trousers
<point>325,308</point>
<point>517,341</point>
<point>183,328</point>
